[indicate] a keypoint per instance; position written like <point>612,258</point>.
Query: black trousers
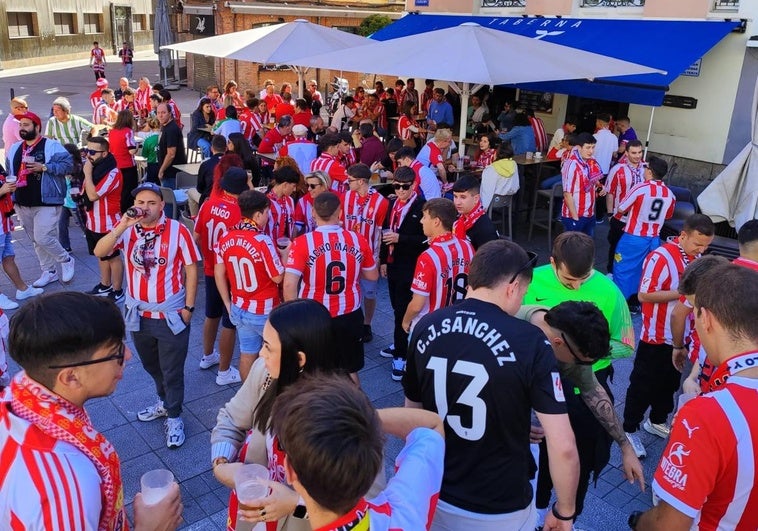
<point>399,281</point>
<point>653,382</point>
<point>593,444</point>
<point>615,231</point>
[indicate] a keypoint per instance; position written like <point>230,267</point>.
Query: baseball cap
<point>31,116</point>
<point>148,186</point>
<point>234,180</point>
<point>101,83</point>
<point>299,130</point>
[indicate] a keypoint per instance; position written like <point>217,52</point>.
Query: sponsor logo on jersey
<point>557,387</point>
<point>672,466</point>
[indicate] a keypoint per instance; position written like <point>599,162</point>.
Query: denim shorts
<point>6,245</point>
<point>249,329</point>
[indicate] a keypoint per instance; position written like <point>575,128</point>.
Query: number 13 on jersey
<point>469,398</point>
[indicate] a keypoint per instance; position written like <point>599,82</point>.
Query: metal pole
<point>649,131</point>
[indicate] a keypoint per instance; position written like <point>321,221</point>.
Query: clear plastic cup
<point>155,485</point>
<point>11,179</point>
<point>247,483</point>
<point>529,155</point>
<point>538,155</point>
<point>282,242</point>
<point>459,163</point>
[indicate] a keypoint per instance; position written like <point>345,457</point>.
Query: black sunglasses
<point>119,357</point>
<point>531,262</point>
<point>579,361</point>
<point>92,151</point>
<point>313,186</point>
<point>403,186</point>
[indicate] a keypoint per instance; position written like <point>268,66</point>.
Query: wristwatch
<point>634,518</point>
<point>44,167</point>
<point>190,309</point>
<point>300,512</point>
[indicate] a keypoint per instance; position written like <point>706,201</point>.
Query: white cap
<point>299,130</point>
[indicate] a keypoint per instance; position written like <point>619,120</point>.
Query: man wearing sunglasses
<point>484,371</point>
<point>403,240</point>
<point>71,348</point>
<point>579,335</point>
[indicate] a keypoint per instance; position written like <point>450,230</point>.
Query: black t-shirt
<point>483,371</point>
<point>171,136</point>
<point>31,194</point>
<point>482,232</point>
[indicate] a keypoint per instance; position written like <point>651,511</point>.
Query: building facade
<point>701,140</point>
<point>36,32</point>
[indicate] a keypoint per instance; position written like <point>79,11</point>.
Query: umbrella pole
<point>464,93</point>
<point>649,131</point>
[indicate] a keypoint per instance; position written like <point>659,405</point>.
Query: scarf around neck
<point>58,418</point>
<point>466,221</point>
<point>591,169</point>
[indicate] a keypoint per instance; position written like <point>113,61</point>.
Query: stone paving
<point>142,445</point>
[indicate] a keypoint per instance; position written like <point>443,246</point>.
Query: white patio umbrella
<point>276,44</point>
<point>470,53</point>
<point>733,195</point>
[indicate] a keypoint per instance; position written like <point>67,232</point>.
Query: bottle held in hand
<point>135,212</point>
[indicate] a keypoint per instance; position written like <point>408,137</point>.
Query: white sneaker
<point>28,293</point>
<point>634,440</point>
<point>153,412</point>
<point>67,269</point>
<point>6,303</point>
<point>228,377</point>
<point>661,430</point>
<point>206,362</point>
<point>174,432</point>
<point>48,277</point>
<point>388,352</point>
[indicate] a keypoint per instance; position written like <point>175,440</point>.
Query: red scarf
<point>730,367</point>
<point>60,419</point>
<point>399,211</point>
<point>356,519</point>
<point>591,169</point>
<point>466,221</point>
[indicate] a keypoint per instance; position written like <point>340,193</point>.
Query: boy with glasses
<point>403,240</point>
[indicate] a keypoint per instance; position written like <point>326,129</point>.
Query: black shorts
<point>348,331</point>
<point>92,239</point>
<point>214,306</point>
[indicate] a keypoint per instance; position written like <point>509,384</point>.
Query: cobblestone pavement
<point>142,445</point>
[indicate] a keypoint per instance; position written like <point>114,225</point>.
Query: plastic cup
<point>155,485</point>
<point>459,163</point>
<point>282,242</point>
<point>11,179</point>
<point>538,155</point>
<point>529,155</point>
<point>247,483</point>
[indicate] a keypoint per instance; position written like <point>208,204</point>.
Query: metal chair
<point>503,206</point>
<point>188,221</point>
<point>194,155</point>
<point>170,199</point>
<point>552,195</point>
<point>185,180</point>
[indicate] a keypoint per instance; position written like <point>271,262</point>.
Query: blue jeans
<point>585,225</point>
<point>205,147</point>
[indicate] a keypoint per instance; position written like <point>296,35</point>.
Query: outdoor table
<point>192,168</point>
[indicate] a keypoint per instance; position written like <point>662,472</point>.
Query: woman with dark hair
<point>230,90</point>
<point>297,341</point>
<point>202,120</point>
<point>486,152</point>
<point>237,143</point>
<point>123,147</point>
<point>407,130</point>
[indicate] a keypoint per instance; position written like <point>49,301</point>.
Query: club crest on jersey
<point>672,466</point>
<point>557,387</point>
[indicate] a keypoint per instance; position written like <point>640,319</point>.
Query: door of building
<point>121,26</point>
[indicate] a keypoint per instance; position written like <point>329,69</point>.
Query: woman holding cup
<point>297,339</point>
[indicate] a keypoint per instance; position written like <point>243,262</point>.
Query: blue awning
<point>670,45</point>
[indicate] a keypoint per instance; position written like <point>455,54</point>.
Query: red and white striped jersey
<point>330,260</point>
<point>281,219</point>
<point>331,165</point>
<point>173,247</point>
<point>45,483</point>
<point>142,99</point>
<point>708,470</point>
<point>95,97</point>
<point>648,205</point>
<point>661,271</point>
<point>106,211</point>
<point>175,112</point>
<point>365,216</point>
<point>621,179</point>
<point>304,218</point>
<point>430,155</point>
<point>441,273</point>
<point>257,120</point>
<point>540,136</point>
<point>349,158</point>
<point>404,128</point>
<point>216,217</point>
<point>576,181</point>
<point>104,114</point>
<point>251,262</point>
<point>247,127</point>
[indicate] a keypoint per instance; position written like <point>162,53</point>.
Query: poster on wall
<point>539,101</point>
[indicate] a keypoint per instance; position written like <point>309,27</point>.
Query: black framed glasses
<point>579,361</point>
<point>402,186</point>
<point>530,263</point>
<point>119,357</point>
<point>92,151</point>
<point>313,186</point>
